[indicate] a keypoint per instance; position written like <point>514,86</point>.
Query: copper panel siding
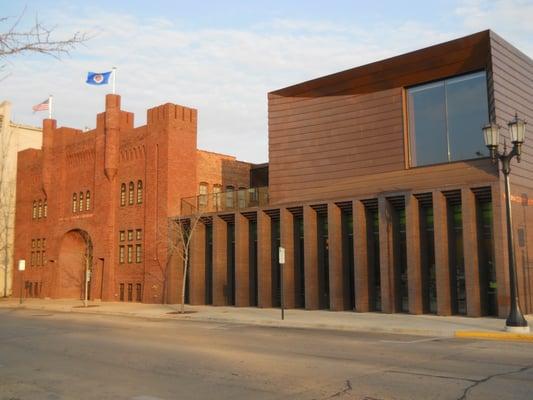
<point>343,135</point>
<point>512,79</point>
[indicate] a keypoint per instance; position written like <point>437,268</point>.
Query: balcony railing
<point>225,201</point>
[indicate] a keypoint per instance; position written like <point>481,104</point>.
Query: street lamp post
<point>515,321</point>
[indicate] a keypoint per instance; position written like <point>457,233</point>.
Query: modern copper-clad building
<point>381,191</point>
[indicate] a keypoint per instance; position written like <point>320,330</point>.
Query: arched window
<point>123,194</point>
<point>34,212</point>
<point>81,202</point>
<point>131,193</point>
<point>40,210</point>
<point>45,208</point>
<point>88,200</point>
<point>74,203</point>
<point>139,192</point>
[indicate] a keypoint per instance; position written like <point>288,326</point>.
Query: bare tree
<point>181,233</point>
<point>37,38</point>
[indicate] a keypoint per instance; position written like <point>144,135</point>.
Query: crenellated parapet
<point>171,112</point>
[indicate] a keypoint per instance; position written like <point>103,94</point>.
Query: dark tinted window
<point>445,119</point>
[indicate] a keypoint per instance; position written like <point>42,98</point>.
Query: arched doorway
<point>75,258</point>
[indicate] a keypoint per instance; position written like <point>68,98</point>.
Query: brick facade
<point>102,199</point>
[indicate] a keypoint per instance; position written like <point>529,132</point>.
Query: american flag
<point>43,106</point>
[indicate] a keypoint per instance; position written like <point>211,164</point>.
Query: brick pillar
<point>501,254</point>
<point>220,260</point>
<point>361,273</point>
<point>242,261</point>
<point>442,254</point>
<point>414,267</point>
<point>264,262</point>
<point>336,276</point>
<point>197,265</point>
<point>386,256</point>
<point>470,245</point>
<point>311,258</point>
<point>287,242</point>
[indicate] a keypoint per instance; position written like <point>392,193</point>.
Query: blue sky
<point>223,57</point>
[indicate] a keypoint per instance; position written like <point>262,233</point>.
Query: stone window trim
<point>130,253</point>
<point>121,251</point>
<point>74,202</point>
<point>122,194</point>
<point>139,191</point>
<point>131,193</point>
<point>88,200</point>
<point>138,253</point>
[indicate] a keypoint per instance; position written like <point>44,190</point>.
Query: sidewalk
<point>425,325</point>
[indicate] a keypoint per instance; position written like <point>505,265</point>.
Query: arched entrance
<point>75,258</point>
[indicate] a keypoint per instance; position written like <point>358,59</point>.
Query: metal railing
<point>225,201</point>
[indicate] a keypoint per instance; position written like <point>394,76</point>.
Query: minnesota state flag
<point>98,78</point>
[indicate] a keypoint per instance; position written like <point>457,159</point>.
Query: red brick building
<point>382,193</point>
<point>100,200</point>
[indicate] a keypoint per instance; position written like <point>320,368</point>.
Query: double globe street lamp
<point>517,127</point>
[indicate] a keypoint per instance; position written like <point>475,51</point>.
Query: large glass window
<point>445,119</point>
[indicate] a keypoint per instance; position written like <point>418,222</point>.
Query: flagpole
<point>50,102</point>
<point>114,78</point>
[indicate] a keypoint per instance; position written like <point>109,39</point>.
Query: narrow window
<point>40,210</point>
<point>138,253</point>
<point>138,234</point>
<point>130,291</point>
<point>45,208</point>
<point>130,253</point>
<point>33,243</point>
<point>81,202</point>
<point>130,234</point>
<point>217,189</point>
<point>38,243</point>
<point>74,202</point>
<point>202,198</point>
<point>139,192</point>
<point>131,193</point>
<point>34,212</point>
<point>38,258</point>
<point>88,201</point>
<point>44,243</point>
<point>242,197</point>
<point>121,292</point>
<point>139,295</point>
<point>229,196</point>
<point>121,254</point>
<point>122,236</point>
<point>44,257</point>
<point>123,194</point>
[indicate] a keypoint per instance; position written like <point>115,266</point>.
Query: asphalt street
<point>52,356</point>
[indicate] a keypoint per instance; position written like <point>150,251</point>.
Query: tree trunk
<point>185,267</point>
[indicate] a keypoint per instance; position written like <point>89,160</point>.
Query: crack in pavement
<point>432,375</point>
<point>479,382</point>
<point>347,388</point>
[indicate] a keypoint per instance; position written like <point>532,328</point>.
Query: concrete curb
<point>235,321</point>
<point>502,336</point>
